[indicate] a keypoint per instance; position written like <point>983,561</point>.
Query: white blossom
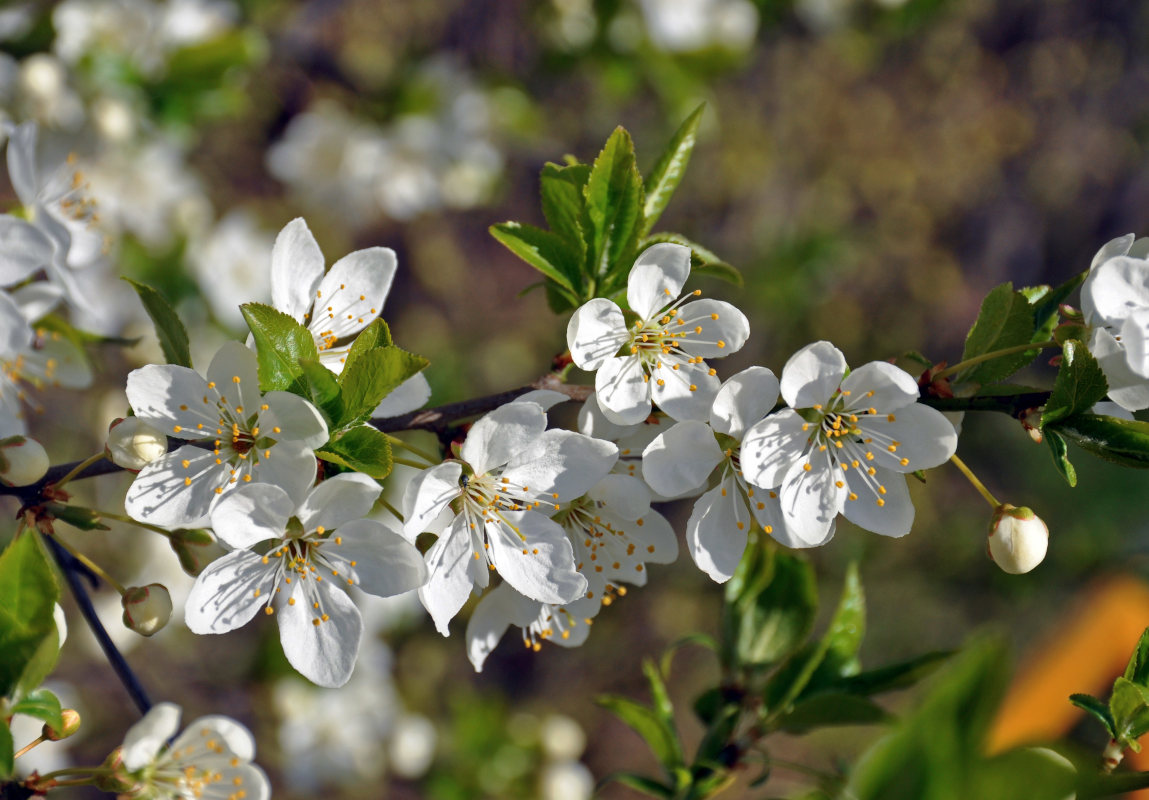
<point>1018,539</point>
<point>232,263</point>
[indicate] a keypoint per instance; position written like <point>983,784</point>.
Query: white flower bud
<point>133,443</point>
<point>1018,539</point>
<point>147,609</point>
<point>22,461</point>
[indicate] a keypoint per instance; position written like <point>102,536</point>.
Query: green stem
<point>392,509</point>
<point>92,565</point>
<point>126,519</point>
<point>990,356</point>
<point>87,462</point>
<point>410,448</point>
<point>408,462</point>
<point>984,492</point>
<point>91,771</point>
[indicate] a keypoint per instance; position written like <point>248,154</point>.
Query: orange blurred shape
<point>1085,654</point>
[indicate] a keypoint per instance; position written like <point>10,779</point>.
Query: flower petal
<point>1115,247</point>
<point>339,500</point>
<point>236,737</point>
<point>37,299</point>
<point>1126,388</point>
<point>449,575</point>
<point>893,517</point>
<point>681,459</point>
<point>812,375</point>
<point>1115,289</point>
<point>351,295</point>
<point>656,538</point>
<point>172,398</point>
<point>743,400</point>
<point>427,495</point>
<point>684,390</point>
<point>592,422</point>
<point>717,529</point>
<point>58,362</point>
<point>624,495</point>
<point>325,654</point>
<point>1135,338</point>
<point>541,565</point>
<point>23,249</point>
<point>22,162</point>
<point>892,387</point>
<point>385,563</point>
<point>657,278</point>
<point>496,611</point>
<point>297,420</point>
<point>560,465</point>
<point>622,390</point>
<point>766,507</point>
<point>229,592</point>
<point>15,333</point>
<point>290,466</point>
<point>234,372</point>
<point>924,438</point>
<point>811,499</point>
<point>410,395</point>
<point>296,269</point>
<point>252,514</point>
<point>146,738</point>
<point>499,435</point>
<point>711,328</point>
<point>772,446</point>
<point>546,398</point>
<point>169,494</point>
<point>595,333</point>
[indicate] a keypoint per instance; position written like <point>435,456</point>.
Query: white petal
<point>812,375</point>
<point>170,397</point>
<point>297,419</point>
<point>892,387</point>
<point>385,564</point>
<point>290,466</point>
<point>595,333</point>
<point>15,333</point>
<point>657,278</point>
<point>925,438</point>
<point>325,653</point>
<point>23,249</point>
<point>540,567</point>
<point>146,738</point>
<point>766,507</point>
<point>1115,289</point>
<point>251,514</point>
<point>339,500</point>
<point>408,396</point>
<point>449,575</point>
<point>427,495</point>
<point>545,398</point>
<point>338,309</point>
<point>811,499</point>
<point>1108,409</point>
<point>772,446</point>
<point>684,393</point>
<point>681,459</point>
<point>231,362</point>
<point>724,329</point>
<point>496,611</point>
<point>58,362</point>
<point>1115,247</point>
<point>717,529</point>
<point>161,495</point>
<point>22,162</point>
<point>296,269</point>
<point>622,391</point>
<point>229,592</point>
<point>496,437</point>
<point>655,538</point>
<point>1135,338</point>
<point>592,422</point>
<point>560,465</point>
<point>236,737</point>
<point>894,517</point>
<point>625,495</point>
<point>37,299</point>
<point>1126,388</point>
<point>743,400</point>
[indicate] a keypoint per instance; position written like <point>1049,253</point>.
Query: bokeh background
<point>872,167</point>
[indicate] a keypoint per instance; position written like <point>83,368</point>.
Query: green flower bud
<point>22,461</point>
<point>118,782</point>
<point>133,443</point>
<point>1018,539</point>
<point>71,725</point>
<point>195,549</point>
<point>147,609</point>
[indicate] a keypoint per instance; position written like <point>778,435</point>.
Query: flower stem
<point>126,519</point>
<point>28,747</point>
<point>76,470</point>
<point>92,565</point>
<point>990,356</point>
<point>410,448</point>
<point>984,492</point>
<point>90,771</point>
<point>408,462</point>
<point>392,509</point>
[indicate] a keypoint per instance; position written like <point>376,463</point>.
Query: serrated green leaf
<point>42,705</point>
<point>614,199</point>
<point>375,335</point>
<point>1005,320</point>
<point>658,693</point>
<point>28,593</point>
<point>1137,669</point>
<point>7,751</point>
<point>667,172</point>
<point>1097,708</point>
<point>1080,383</point>
<point>640,783</point>
<point>319,386</point>
<point>1121,441</point>
<point>892,676</point>
<point>545,251</point>
<point>281,343</point>
<point>362,449</point>
<point>1060,450</point>
<point>661,739</point>
<point>373,376</point>
<point>170,330</point>
<point>830,709</point>
<point>1129,710</point>
<point>564,206</point>
<point>1046,303</point>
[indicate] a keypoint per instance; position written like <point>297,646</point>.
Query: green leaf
<point>614,202</point>
<point>44,706</point>
<point>281,343</point>
<point>564,206</point>
<point>371,377</point>
<point>826,709</point>
<point>7,751</point>
<point>1060,450</point>
<point>661,697</point>
<point>84,519</point>
<point>1098,709</point>
<point>1005,320</point>
<point>1129,709</point>
<point>377,334</point>
<point>1137,670</point>
<point>170,330</point>
<point>1121,441</point>
<point>640,783</point>
<point>28,593</point>
<point>362,449</point>
<point>545,251</point>
<point>773,622</point>
<point>319,386</point>
<point>41,664</point>
<point>891,677</point>
<point>668,170</point>
<point>702,260</point>
<point>1080,383</point>
<point>660,738</point>
<point>1046,303</point>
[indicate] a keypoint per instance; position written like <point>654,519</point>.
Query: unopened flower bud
<point>195,548</point>
<point>147,609</point>
<point>22,461</point>
<point>1018,539</point>
<point>133,443</point>
<point>71,719</point>
<point>117,781</point>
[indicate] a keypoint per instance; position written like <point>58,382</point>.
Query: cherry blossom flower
<point>688,455</point>
<point>337,305</point>
<point>844,445</point>
<point>242,436</point>
<point>663,351</point>
<point>631,440</point>
<point>491,508</point>
<point>319,547</point>
<point>211,758</point>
